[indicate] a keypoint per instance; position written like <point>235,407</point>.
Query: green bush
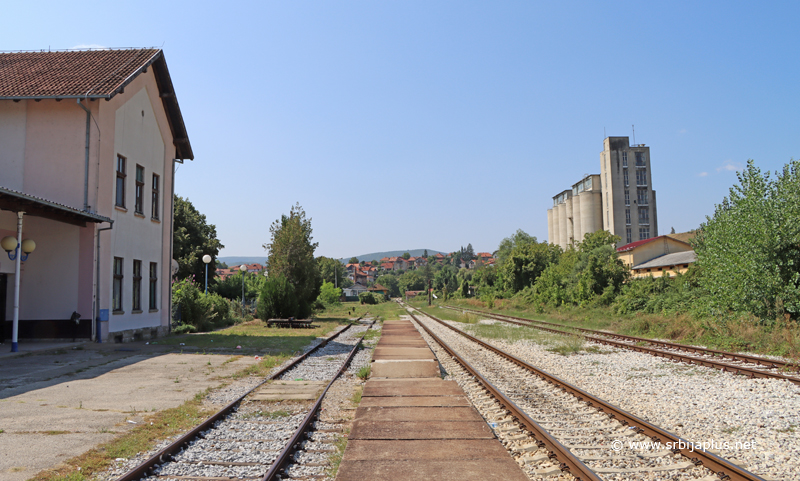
<point>277,299</point>
<point>184,329</point>
<point>367,298</point>
<point>329,295</point>
<point>205,312</point>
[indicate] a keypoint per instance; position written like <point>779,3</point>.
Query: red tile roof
<point>634,245</point>
<point>81,73</point>
<point>387,265</point>
<point>90,74</point>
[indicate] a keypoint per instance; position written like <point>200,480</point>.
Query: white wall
<point>138,138</point>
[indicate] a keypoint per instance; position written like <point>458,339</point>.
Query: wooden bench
<point>292,323</point>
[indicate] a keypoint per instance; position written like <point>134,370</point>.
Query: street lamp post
<point>243,268</point>
<point>206,259</point>
<point>11,244</point>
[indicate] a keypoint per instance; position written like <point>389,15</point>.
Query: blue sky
<point>425,124</point>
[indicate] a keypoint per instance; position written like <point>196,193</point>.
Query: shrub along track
<point>744,364</point>
<point>260,444</point>
<point>597,433</point>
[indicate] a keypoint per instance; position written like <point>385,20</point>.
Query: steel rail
<point>166,454</point>
<point>569,462</point>
<point>723,468</point>
<point>745,371</point>
<point>279,465</point>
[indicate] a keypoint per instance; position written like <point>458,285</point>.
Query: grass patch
<point>560,344</point>
<point>451,315</point>
<point>165,424</point>
<point>371,334</point>
<point>261,368</point>
<point>281,413</point>
<point>336,458</point>
<point>740,334</point>
<point>255,336</point>
<point>357,393</point>
<point>347,310</point>
<point>364,372</point>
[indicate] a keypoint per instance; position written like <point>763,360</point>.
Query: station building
<point>620,199</point>
<point>89,144</point>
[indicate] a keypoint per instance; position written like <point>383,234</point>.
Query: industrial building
<point>620,199</point>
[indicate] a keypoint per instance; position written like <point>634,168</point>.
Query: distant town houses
<point>223,274</point>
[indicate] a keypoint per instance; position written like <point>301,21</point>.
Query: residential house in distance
<point>88,142</point>
<point>379,289</point>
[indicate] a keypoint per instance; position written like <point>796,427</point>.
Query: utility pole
<point>430,292</point>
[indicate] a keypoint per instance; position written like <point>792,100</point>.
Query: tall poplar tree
<point>291,255</point>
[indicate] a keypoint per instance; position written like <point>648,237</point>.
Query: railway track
<point>553,426</point>
<point>271,432</point>
<point>743,364</point>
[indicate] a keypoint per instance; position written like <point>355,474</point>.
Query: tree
<point>291,254</point>
<point>525,263</point>
<point>221,265</point>
<point>333,271</point>
<point>748,253</point>
<point>329,295</point>
<point>406,255</point>
<point>375,263</point>
<point>410,281</point>
<point>467,254</point>
<point>277,299</point>
<point>519,238</point>
<point>192,239</point>
<point>353,260</point>
<point>425,254</point>
<point>390,282</point>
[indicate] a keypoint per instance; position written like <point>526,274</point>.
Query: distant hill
<point>237,261</point>
<point>376,256</point>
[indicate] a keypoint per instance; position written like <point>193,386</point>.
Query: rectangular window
<point>641,196</point>
<point>139,204</point>
<point>644,215</point>
<point>624,159</point>
<point>625,176</point>
<point>627,197</point>
<point>136,304</point>
<point>628,216</point>
<point>117,298</point>
<point>628,235</point>
<point>154,214</point>
<point>588,183</point>
<point>641,177</point>
<point>120,202</point>
<point>639,159</point>
<point>644,233</point>
<point>153,286</point>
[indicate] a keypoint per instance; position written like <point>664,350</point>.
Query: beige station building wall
<point>620,199</point>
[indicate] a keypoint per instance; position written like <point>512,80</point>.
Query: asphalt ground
<point>60,402</point>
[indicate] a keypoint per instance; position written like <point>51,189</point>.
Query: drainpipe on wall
<point>86,161</point>
<point>95,334</point>
<point>171,237</point>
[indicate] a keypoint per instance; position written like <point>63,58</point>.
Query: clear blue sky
<point>425,124</point>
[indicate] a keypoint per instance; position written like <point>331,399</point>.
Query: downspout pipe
<point>171,237</point>
<point>96,336</point>
<point>86,159</point>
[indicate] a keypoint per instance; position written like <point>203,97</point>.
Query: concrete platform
<point>418,413</point>
<point>414,401</point>
<point>406,369</point>
<point>413,425</point>
<point>420,429</point>
<point>432,470</point>
<point>402,353</point>
<point>417,387</point>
